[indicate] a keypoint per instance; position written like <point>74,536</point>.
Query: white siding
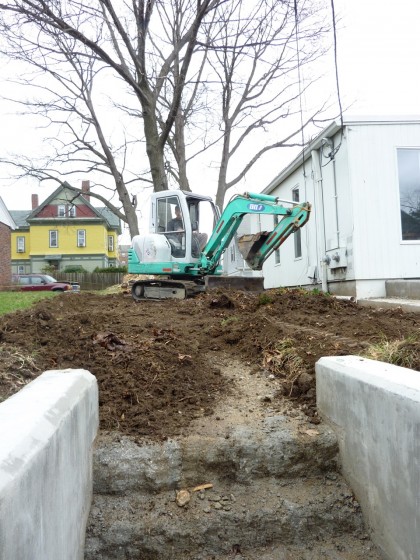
<point>293,271</point>
<point>338,214</point>
<point>355,213</point>
<point>379,250</point>
<point>331,217</point>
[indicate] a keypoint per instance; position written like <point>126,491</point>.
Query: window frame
<point>276,251</point>
<point>404,231</point>
<point>233,253</point>
<point>72,211</point>
<point>20,239</point>
<point>79,243</point>
<point>61,210</point>
<point>297,236</point>
<point>50,235</point>
<point>111,244</point>
<point>35,281</point>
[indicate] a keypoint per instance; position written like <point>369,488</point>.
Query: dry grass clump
<point>283,360</point>
<point>16,370</point>
<point>403,352</point>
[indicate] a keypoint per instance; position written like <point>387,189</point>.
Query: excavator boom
<point>255,248</point>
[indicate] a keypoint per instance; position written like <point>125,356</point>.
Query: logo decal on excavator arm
<point>256,207</point>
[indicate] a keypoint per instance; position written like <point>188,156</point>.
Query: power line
<point>300,85</point>
<point>337,82</point>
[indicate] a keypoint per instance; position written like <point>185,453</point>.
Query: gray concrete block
<point>46,434</point>
<point>409,289</point>
<point>374,408</point>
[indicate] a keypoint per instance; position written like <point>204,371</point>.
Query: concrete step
<point>409,305</point>
<point>274,491</point>
<point>292,518</point>
<point>274,446</point>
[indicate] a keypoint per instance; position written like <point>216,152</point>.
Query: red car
<point>43,282</point>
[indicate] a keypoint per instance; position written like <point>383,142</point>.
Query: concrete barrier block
<point>46,435</point>
<point>374,408</point>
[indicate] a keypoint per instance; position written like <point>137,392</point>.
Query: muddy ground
<point>154,361</point>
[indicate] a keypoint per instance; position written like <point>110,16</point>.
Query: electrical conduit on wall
<point>319,216</point>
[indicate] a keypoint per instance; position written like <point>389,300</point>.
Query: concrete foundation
<point>46,434</point>
<point>374,408</point>
<point>409,289</point>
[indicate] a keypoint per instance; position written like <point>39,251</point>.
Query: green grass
<point>12,301</point>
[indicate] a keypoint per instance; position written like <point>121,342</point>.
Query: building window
<point>409,183</point>
<point>53,238</point>
<point>232,253</point>
<point>21,269</point>
<point>61,211</point>
<point>20,244</point>
<point>298,234</point>
<point>81,238</point>
<point>110,243</point>
<point>277,251</point>
<point>72,211</point>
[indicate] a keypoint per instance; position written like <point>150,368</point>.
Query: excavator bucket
<point>242,283</point>
<point>250,244</point>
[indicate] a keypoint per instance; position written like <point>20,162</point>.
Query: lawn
<point>11,301</point>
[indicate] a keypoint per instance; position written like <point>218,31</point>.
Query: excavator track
<point>164,289</point>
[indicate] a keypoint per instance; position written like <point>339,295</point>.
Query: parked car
<point>43,282</point>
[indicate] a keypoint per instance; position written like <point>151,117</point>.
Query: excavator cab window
<point>203,219</point>
<point>171,224</point>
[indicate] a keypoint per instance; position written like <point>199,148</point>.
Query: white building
<point>363,181</point>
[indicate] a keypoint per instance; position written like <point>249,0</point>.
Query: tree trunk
<point>179,138</point>
<point>222,183</point>
<point>129,209</point>
<point>154,149</point>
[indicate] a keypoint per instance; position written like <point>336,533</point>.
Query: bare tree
<point>249,81</point>
<point>124,38</point>
<point>244,77</point>
<point>258,54</point>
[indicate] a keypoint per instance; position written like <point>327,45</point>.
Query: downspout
<point>320,221</point>
<point>337,227</point>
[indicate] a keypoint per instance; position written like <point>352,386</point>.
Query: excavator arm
<point>258,247</point>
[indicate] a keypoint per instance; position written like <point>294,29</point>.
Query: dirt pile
<point>154,361</point>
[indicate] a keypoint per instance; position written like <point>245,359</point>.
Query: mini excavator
<point>188,237</point>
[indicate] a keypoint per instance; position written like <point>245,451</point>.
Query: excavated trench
<point>247,482</point>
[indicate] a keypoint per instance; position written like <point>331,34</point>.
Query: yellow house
<point>64,231</point>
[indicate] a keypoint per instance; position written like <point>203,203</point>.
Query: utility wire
<point>337,81</point>
<point>300,84</point>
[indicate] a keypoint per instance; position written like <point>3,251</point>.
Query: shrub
<point>48,269</point>
<point>264,299</point>
<point>122,269</point>
<point>74,268</point>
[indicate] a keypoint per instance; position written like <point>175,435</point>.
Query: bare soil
<point>160,364</point>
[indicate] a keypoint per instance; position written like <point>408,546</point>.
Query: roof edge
<point>5,212</point>
<point>330,131</point>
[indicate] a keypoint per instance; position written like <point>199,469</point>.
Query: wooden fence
<point>91,280</point>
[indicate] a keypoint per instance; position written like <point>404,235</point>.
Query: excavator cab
<point>186,221</point>
<point>171,223</point>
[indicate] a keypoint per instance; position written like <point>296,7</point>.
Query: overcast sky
<point>378,44</point>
